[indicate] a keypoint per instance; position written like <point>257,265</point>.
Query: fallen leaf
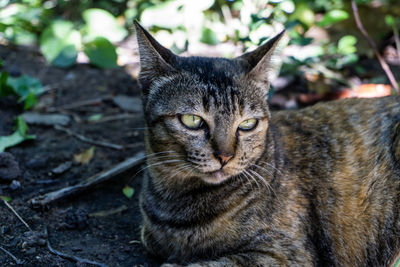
<point>85,156</point>
<point>5,198</point>
<point>128,191</point>
<point>367,91</point>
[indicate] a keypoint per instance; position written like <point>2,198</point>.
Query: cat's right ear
<point>155,60</point>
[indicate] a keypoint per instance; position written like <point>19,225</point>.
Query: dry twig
<point>17,261</point>
<point>105,213</point>
<point>79,104</point>
<point>88,140</point>
<point>90,182</point>
<point>16,214</point>
<point>122,116</point>
<point>71,257</point>
<point>371,42</point>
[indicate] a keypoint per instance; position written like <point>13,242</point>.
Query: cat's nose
<point>223,158</point>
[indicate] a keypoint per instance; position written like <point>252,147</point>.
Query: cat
<point>230,183</point>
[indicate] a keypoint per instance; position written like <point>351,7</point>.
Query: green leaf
<point>30,101</point>
<point>5,89</point>
<point>59,43</point>
<point>17,137</point>
<point>5,198</point>
<point>101,53</point>
<point>101,23</point>
<point>21,125</point>
<point>95,117</point>
<point>208,36</point>
<point>333,17</point>
<point>128,191</point>
<point>390,21</point>
<point>304,14</point>
<point>24,86</point>
<point>66,57</point>
<point>346,45</point>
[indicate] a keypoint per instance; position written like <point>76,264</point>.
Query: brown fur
<point>318,186</point>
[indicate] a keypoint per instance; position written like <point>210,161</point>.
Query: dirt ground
<point>72,224</point>
<point>100,224</point>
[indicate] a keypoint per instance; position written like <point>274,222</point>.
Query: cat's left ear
<point>258,64</point>
<point>155,59</point>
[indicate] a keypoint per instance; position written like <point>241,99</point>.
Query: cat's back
<point>346,155</point>
<point>328,128</point>
<point>351,137</point>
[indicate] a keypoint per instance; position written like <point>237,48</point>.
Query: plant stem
<point>371,42</point>
<point>396,38</point>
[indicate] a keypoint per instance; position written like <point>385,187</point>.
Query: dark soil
<point>72,229</point>
<point>72,224</point>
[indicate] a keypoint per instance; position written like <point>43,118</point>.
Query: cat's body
<point>318,186</point>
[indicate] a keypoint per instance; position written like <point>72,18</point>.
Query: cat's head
<point>205,117</point>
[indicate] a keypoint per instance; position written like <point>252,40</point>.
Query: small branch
<point>105,213</point>
<point>79,104</point>
<point>17,261</point>
<point>71,257</point>
<point>16,214</point>
<point>123,116</point>
<point>88,140</point>
<point>90,182</point>
<point>396,39</point>
<point>371,42</point>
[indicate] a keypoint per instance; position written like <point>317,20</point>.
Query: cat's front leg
<point>248,259</point>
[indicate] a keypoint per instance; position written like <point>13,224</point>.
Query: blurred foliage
<point>65,28</point>
<point>25,88</point>
<point>20,135</point>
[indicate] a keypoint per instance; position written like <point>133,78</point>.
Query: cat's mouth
<point>216,177</point>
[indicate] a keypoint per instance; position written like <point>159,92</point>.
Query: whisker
<point>248,181</point>
<point>268,171</point>
<point>162,152</point>
<point>272,166</point>
<point>178,170</point>
<point>263,180</point>
<point>251,176</point>
<point>158,163</point>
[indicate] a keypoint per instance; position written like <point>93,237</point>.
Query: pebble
<point>15,185</point>
<point>46,119</point>
<point>62,167</point>
<point>128,103</point>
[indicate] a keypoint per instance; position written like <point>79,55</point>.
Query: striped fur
<point>312,187</point>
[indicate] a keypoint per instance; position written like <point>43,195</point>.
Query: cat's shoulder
<point>342,108</point>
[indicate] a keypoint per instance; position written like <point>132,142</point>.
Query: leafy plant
<point>20,135</point>
<point>26,88</point>
<point>59,43</point>
<point>101,53</point>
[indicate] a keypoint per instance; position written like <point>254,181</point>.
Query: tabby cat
<point>230,184</point>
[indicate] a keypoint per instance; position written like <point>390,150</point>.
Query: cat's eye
<point>191,121</point>
<point>248,125</point>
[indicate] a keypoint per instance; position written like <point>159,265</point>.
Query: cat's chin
<point>215,177</point>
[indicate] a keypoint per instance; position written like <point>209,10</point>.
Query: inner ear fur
<point>155,59</point>
<point>257,63</point>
